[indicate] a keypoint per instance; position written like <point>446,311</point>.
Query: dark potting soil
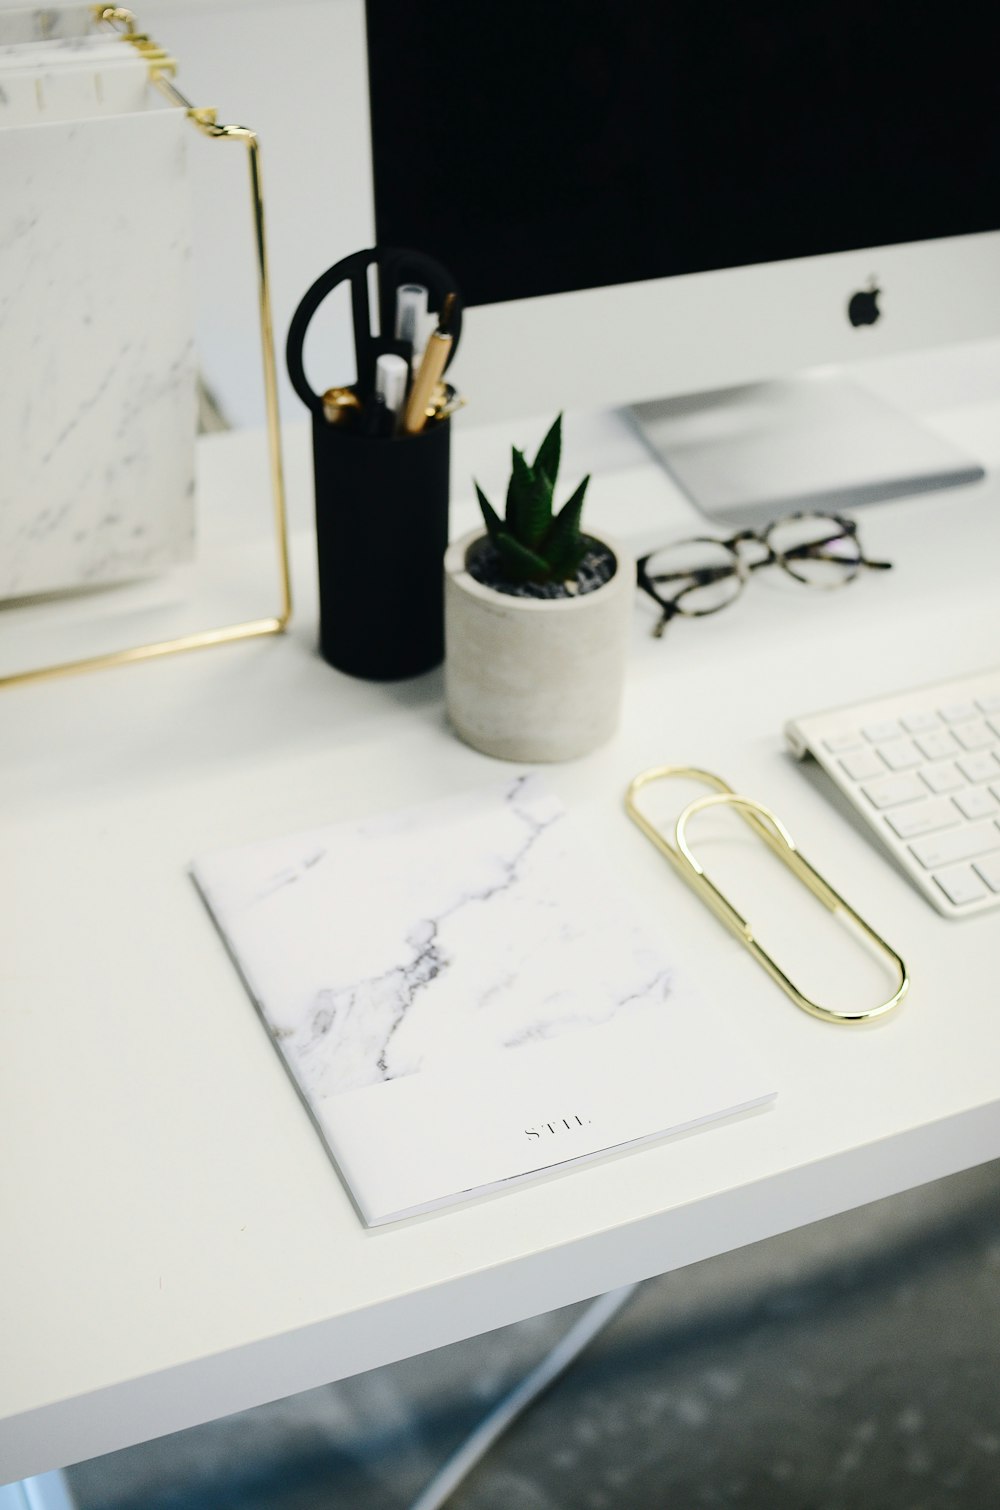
<point>597,567</point>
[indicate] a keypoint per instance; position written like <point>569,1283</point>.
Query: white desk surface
<point>177,1244</point>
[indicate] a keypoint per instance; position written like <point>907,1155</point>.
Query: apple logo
<point>863,308</point>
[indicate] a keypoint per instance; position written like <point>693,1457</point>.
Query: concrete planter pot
<point>534,679</point>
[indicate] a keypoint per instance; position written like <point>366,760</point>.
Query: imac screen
<point>537,148</point>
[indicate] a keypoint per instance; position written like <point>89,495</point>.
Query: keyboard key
<point>920,723</point>
<point>956,713</point>
<point>957,844</point>
<point>975,735</point>
<point>977,802</point>
<point>961,885</point>
<point>900,755</point>
<point>989,869</point>
<point>945,777</point>
<point>924,817</point>
<point>891,791</point>
<point>938,745</point>
<point>862,764</point>
<point>979,766</point>
<point>837,744</point>
<point>928,763</point>
<point>887,728</point>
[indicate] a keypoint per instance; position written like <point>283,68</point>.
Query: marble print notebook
<point>463,999</point>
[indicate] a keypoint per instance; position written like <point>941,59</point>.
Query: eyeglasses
<point>701,576</point>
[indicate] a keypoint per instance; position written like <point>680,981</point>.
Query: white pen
<point>411,316</point>
<point>391,374</point>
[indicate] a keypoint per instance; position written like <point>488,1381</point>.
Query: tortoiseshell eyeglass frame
<point>739,568</point>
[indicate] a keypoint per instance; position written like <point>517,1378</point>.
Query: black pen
<point>377,422</point>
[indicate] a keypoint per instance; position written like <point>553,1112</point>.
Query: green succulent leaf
<point>565,547</point>
<point>549,451</point>
<point>519,563</point>
<point>494,524</point>
<point>531,494</point>
<point>515,489</point>
<point>569,515</point>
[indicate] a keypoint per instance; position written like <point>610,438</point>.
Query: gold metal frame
<point>161,70</point>
<point>774,834</point>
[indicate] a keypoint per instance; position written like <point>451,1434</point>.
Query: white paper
<point>69,81</point>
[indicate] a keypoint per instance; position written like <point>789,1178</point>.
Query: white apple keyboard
<point>923,769</point>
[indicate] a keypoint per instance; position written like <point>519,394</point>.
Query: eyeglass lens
<point>695,576</point>
<point>817,549</point>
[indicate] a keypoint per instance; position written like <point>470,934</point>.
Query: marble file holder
<point>23,24</point>
<point>70,81</point>
<point>98,406</point>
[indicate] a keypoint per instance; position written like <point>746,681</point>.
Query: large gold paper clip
<point>777,838</point>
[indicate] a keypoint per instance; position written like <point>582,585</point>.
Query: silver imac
<point>701,212</point>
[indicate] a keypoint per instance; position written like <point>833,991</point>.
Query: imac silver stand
<point>750,454</point>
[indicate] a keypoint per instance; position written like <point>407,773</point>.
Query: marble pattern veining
<point>377,949</point>
<point>98,412</point>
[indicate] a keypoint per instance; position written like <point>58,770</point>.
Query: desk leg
<point>47,1491</point>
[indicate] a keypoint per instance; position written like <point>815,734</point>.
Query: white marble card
<point>98,403</point>
<point>462,998</point>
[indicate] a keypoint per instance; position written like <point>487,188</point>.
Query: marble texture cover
<point>98,411</point>
<point>463,999</point>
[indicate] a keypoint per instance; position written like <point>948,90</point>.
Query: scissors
<point>394,267</point>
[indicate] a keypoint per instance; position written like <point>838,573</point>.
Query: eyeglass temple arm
<point>814,548</point>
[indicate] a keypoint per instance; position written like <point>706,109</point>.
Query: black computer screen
<point>563,144</point>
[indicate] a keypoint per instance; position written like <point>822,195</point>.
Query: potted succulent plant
<point>536,622</point>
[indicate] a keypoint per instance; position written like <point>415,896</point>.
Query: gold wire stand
<point>162,67</point>
<point>774,834</point>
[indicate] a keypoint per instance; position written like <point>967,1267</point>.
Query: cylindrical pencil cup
<point>381,535</point>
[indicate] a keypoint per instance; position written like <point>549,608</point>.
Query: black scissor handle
<point>396,266</point>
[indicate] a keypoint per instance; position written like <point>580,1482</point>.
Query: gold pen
<point>429,372</point>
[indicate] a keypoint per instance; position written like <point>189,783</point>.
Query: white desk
<point>177,1244</point>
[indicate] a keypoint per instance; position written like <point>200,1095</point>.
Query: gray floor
<point>852,1364</point>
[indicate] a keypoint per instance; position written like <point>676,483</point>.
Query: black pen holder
<point>381,501</point>
<point>381,535</point>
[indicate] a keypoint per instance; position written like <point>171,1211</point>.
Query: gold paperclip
<point>777,838</point>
